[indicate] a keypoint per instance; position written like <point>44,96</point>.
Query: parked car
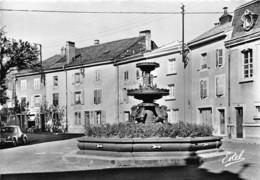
<point>12,135</point>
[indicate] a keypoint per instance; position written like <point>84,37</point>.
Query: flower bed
<point>129,130</point>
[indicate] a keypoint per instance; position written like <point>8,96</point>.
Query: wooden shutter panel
<point>73,78</point>
<point>103,117</point>
<point>95,96</point>
<point>217,85</point>
<point>82,98</point>
<point>95,117</point>
<point>221,85</point>
<point>81,78</point>
<point>100,96</point>
<point>205,89</point>
<point>201,89</point>
<point>220,57</point>
<point>217,58</point>
<point>72,98</point>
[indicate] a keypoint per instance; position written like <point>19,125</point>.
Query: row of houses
<point>219,86</point>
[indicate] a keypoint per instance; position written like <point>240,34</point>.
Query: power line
<point>106,12</point>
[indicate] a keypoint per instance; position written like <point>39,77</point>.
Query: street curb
<point>242,141</point>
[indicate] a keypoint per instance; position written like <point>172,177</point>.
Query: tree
<point>15,55</point>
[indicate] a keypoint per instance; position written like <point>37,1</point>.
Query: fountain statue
<point>148,111</point>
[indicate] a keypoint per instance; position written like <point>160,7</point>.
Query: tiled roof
<point>51,62</point>
<point>103,52</point>
<point>212,32</point>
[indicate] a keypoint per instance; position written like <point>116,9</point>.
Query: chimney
<point>70,51</point>
<point>96,42</point>
<point>225,17</point>
<point>63,51</point>
<point>147,34</point>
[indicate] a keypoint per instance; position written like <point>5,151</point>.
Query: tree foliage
<point>15,55</point>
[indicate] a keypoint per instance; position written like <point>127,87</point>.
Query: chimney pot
<point>96,41</point>
<point>225,10</point>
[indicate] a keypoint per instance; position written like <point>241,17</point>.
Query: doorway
<point>222,120</point>
<point>239,117</point>
<point>206,116</point>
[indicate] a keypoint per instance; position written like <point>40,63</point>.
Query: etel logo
<point>232,158</point>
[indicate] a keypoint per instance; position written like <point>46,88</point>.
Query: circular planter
<point>150,152</point>
<point>148,145</point>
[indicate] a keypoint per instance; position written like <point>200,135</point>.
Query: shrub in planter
<point>129,130</point>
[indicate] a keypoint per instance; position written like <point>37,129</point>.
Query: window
<point>55,97</point>
<point>219,58</point>
<point>37,100</point>
<point>125,96</point>
<point>126,75</point>
<point>204,88</point>
<point>97,96</point>
<point>172,91</point>
<point>77,77</point>
<point>257,108</point>
<point>173,115</point>
<point>77,97</point>
<point>126,116</point>
<point>37,83</point>
<point>23,85</point>
<point>247,63</point>
<point>98,76</point>
<point>137,74</point>
<point>204,61</point>
<point>171,66</point>
<point>77,118</point>
<point>55,81</point>
<point>220,85</point>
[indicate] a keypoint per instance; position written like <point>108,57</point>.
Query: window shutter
<point>217,57</point>
<point>82,98</point>
<point>121,96</point>
<point>73,78</point>
<point>201,89</point>
<point>91,118</point>
<point>95,117</point>
<point>221,85</point>
<point>220,57</point>
<point>205,89</point>
<point>81,79</point>
<point>217,85</point>
<point>72,98</point>
<point>103,117</point>
<point>95,96</point>
<point>100,96</point>
<point>79,120</point>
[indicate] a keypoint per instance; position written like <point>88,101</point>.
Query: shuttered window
<point>97,96</point>
<point>219,57</point>
<point>220,85</point>
<point>203,88</point>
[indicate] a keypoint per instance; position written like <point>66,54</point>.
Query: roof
<point>238,31</point>
<point>104,52</point>
<point>212,32</point>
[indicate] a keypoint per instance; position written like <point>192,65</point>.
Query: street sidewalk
<point>242,141</point>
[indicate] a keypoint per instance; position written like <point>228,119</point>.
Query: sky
<point>52,30</point>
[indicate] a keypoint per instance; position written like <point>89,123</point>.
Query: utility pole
<point>184,61</point>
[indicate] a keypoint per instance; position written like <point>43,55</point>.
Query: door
<point>86,119</point>
<point>222,121</point>
<point>206,116</point>
<point>239,114</point>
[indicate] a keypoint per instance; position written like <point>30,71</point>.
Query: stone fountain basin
<point>148,152</point>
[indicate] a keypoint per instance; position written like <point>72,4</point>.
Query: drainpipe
<point>66,80</point>
<point>117,93</point>
<point>229,109</point>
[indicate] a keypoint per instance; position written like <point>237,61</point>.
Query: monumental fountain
<point>146,152</point>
